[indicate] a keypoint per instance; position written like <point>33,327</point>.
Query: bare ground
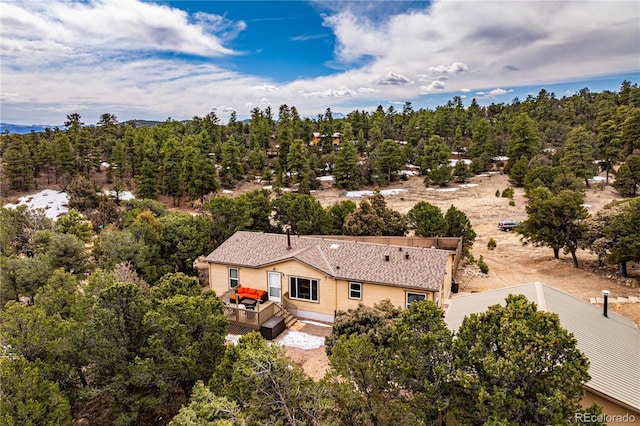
<point>511,263</point>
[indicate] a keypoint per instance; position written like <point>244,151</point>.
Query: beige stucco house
<point>316,277</point>
<point>612,343</point>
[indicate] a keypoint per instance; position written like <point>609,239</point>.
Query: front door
<point>275,286</point>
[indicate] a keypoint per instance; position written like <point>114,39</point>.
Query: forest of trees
<point>102,317</point>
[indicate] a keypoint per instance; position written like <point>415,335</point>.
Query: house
<point>317,138</point>
<point>612,342</point>
<point>336,139</point>
<point>315,277</point>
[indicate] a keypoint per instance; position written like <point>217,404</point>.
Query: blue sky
<point>159,59</point>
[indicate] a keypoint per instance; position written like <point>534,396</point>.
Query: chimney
<point>288,239</point>
<point>605,293</point>
<point>386,257</point>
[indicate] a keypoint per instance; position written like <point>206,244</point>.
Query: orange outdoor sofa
<point>249,293</point>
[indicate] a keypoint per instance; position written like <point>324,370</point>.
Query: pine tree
<point>346,167</point>
<point>578,156</point>
<point>17,165</point>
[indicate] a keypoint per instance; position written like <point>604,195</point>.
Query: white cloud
<point>393,79</point>
<point>97,56</point>
<point>45,32</point>
<point>434,86</point>
<point>455,67</point>
<point>222,108</point>
<point>265,87</point>
<point>337,93</point>
<point>498,92</point>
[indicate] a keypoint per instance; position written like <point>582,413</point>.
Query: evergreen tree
<point>554,220</point>
<point>578,155</point>
<point>523,140</point>
<point>608,146</point>
<point>426,219</point>
<point>17,165</point>
<point>628,177</point>
<point>346,167</point>
<point>517,365</point>
<point>624,233</point>
<point>459,225</point>
<point>171,161</point>
<point>231,169</point>
<point>387,159</point>
<point>26,398</point>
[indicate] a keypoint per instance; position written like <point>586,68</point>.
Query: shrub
<point>512,203</point>
<point>507,193</point>
<point>470,259</point>
<point>491,244</point>
<point>497,193</point>
<point>484,268</point>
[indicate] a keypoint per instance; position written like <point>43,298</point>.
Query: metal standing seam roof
<point>348,260</point>
<point>611,343</point>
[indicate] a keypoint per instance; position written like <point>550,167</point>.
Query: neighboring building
<point>316,277</point>
<point>336,139</point>
<point>611,343</point>
<point>316,138</point>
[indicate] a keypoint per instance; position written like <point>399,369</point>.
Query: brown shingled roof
<point>349,260</point>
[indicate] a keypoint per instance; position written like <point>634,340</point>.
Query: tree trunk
<point>575,258</point>
<point>622,269</point>
<point>556,252</point>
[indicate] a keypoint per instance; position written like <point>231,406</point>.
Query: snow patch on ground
<point>233,338</point>
<point>124,195</point>
<point>326,178</point>
<point>321,324</point>
<point>291,338</point>
<point>447,189</point>
<point>483,175</point>
<point>409,173</point>
<point>227,191</point>
<point>598,179</point>
<point>355,194</point>
<point>468,185</point>
<point>298,339</point>
<point>453,163</point>
<point>53,202</point>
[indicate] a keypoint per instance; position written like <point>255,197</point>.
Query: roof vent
<point>605,293</point>
<point>334,246</point>
<point>386,257</point>
<point>406,255</point>
<point>399,248</point>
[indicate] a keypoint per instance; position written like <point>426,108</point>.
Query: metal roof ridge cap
<point>542,303</point>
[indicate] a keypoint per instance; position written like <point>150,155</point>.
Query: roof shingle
<point>349,260</point>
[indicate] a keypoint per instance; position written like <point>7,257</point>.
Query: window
<point>355,291</point>
<point>234,280</point>
<point>303,288</point>
<point>415,297</point>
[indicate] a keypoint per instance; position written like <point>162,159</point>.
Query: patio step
<point>289,319</point>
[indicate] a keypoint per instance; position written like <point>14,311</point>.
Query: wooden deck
<point>250,317</point>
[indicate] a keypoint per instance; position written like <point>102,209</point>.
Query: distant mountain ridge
<point>21,129</point>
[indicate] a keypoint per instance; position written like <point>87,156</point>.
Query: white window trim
<point>311,280</point>
<point>406,300</point>
<point>231,279</point>
<point>359,290</point>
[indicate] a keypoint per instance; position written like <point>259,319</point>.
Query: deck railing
<point>250,316</point>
